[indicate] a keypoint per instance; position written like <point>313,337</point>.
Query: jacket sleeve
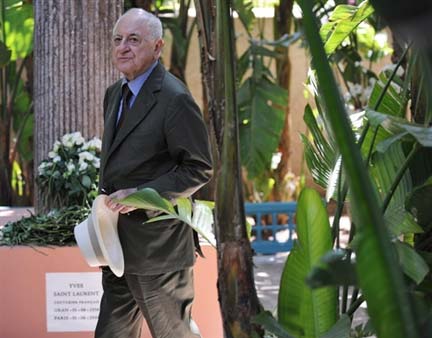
<point>188,144</point>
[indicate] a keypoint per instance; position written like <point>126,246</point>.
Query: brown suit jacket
<point>162,144</point>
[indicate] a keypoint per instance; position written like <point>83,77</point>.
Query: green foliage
<point>401,129</point>
<point>55,228</point>
<point>379,274</point>
<point>301,310</point>
<point>18,28</point>
<point>244,10</point>
<point>270,324</point>
<point>342,22</point>
<point>198,215</point>
<point>261,125</point>
<point>262,106</point>
<point>16,44</point>
<point>335,269</point>
<point>320,151</point>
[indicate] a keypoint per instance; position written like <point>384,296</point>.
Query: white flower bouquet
<point>70,174</point>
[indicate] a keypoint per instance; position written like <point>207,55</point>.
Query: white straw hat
<point>97,237</point>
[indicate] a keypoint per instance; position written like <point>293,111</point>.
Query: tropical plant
<point>70,175</point>
<point>379,171</point>
<point>198,215</point>
<point>16,109</point>
<point>262,103</point>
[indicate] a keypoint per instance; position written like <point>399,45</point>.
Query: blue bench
<point>269,235</point>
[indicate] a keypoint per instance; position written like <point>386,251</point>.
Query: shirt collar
<point>136,84</point>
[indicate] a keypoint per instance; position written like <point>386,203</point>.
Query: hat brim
<point>87,241</point>
<point>105,225</point>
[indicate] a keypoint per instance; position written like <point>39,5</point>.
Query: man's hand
<point>120,194</point>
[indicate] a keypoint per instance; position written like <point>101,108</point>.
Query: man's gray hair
<point>152,22</point>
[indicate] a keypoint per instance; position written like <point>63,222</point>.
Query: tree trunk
<point>282,25</point>
<point>72,69</point>
<point>237,294</point>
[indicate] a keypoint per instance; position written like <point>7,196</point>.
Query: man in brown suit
<point>155,137</point>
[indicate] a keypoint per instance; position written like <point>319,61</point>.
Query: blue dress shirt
<point>135,86</point>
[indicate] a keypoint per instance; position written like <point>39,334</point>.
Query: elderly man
<point>154,137</point>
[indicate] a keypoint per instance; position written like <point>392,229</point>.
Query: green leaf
<point>412,263</point>
<point>261,123</point>
<point>341,329</point>
<point>184,208</point>
<point>303,311</point>
<point>201,219</point>
<point>396,126</point>
<point>270,324</point>
<point>395,99</point>
<point>342,22</point>
<point>335,269</point>
<point>18,26</point>
<point>401,222</point>
<point>150,199</point>
<point>162,218</point>
<point>86,181</point>
<point>245,13</point>
<point>321,154</point>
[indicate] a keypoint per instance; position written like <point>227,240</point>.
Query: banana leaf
<point>343,20</point>
<point>262,114</point>
<point>302,311</point>
<point>320,153</point>
<point>412,263</point>
<point>399,126</point>
<point>199,215</point>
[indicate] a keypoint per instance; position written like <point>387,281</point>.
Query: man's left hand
<point>118,195</point>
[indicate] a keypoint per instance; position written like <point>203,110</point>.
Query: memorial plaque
<point>73,301</point>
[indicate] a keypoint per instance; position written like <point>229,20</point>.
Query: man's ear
<point>158,46</point>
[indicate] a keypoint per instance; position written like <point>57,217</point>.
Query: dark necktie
<point>126,95</point>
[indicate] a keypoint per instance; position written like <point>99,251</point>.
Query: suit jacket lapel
<point>110,122</point>
<point>143,104</point>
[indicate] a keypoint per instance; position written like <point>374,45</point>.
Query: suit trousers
<point>164,300</point>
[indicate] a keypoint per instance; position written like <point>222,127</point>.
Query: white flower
<point>56,159</point>
<point>56,146</point>
<point>77,138</point>
<point>94,143</point>
<point>86,156</point>
<point>52,154</point>
<point>83,166</point>
<point>70,166</point>
<point>96,162</point>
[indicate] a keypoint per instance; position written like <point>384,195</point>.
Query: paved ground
<point>267,271</point>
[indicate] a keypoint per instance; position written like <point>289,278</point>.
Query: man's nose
<point>123,46</point>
